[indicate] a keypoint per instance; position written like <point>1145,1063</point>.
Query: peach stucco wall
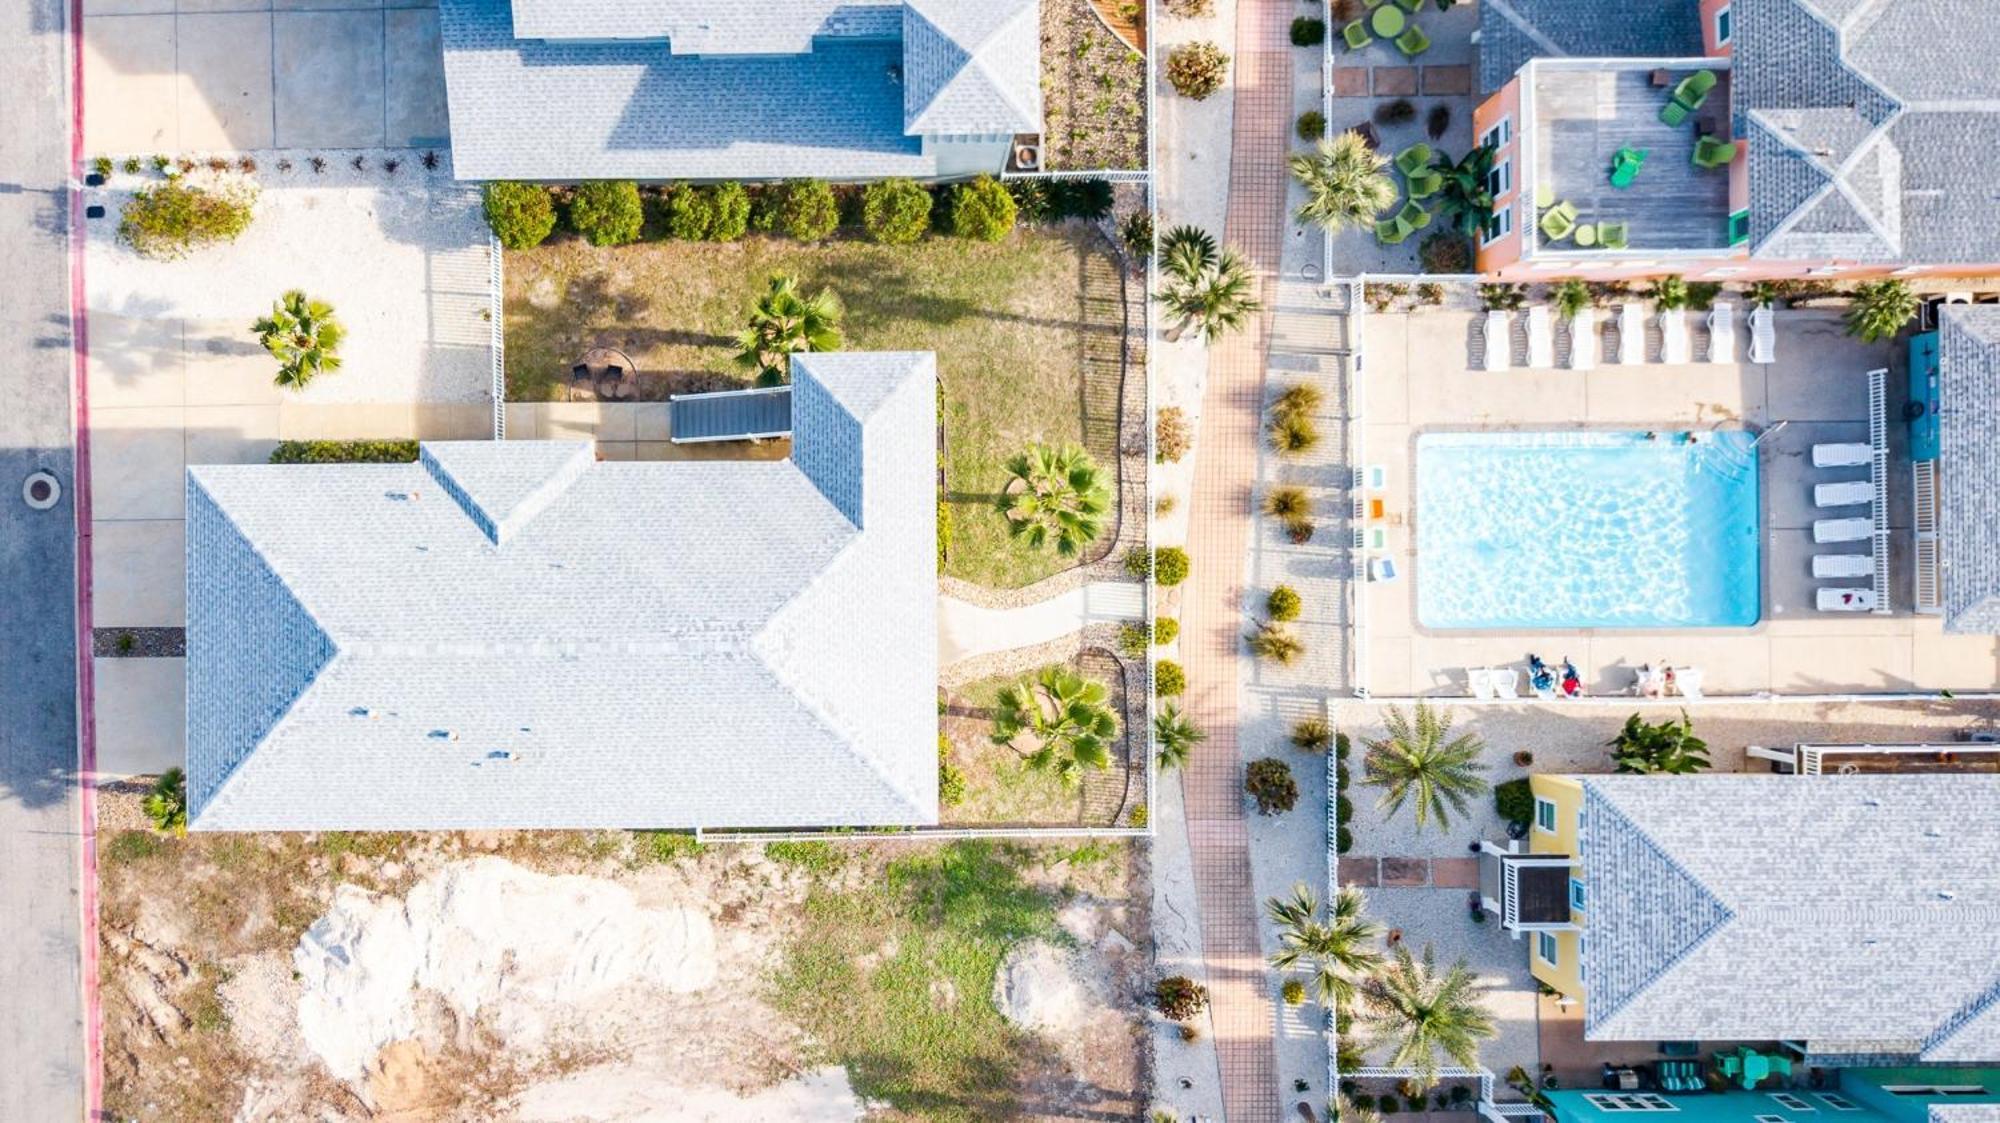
<point>1505,103</point>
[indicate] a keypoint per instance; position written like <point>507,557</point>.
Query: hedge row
<point>344,452</point>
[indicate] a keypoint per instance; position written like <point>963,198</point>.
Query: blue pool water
<point>1586,530</point>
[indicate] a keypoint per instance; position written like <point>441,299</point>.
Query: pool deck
<point>1420,379</point>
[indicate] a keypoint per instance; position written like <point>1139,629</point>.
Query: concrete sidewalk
<point>966,630</point>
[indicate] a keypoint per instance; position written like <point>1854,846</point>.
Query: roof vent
<point>444,735</point>
<point>1947,895</point>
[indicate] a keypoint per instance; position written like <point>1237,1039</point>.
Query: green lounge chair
<point>1414,215</point>
<point>1424,184</point>
<point>1712,153</point>
<point>1611,235</point>
<point>1356,34</point>
<point>1413,159</point>
<point>1673,114</point>
<point>1693,89</point>
<point>1625,166</point>
<point>1413,42</point>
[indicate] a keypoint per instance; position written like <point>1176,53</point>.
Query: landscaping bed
<point>1002,788</point>
<point>1093,92</point>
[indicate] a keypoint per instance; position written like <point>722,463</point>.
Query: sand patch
<point>619,1094</point>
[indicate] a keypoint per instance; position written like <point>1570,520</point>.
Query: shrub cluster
<point>1169,680</point>
<point>1046,200</point>
<point>896,212</point>
<point>1197,70</point>
<point>1180,997</point>
<point>344,452</point>
<point>1311,126</point>
<point>1283,603</point>
<point>943,533</point>
<point>1137,234</point>
<point>982,210</point>
<point>1269,781</point>
<point>521,215</point>
<point>807,210</point>
<point>1172,435</point>
<point>1170,566</point>
<point>718,213</point>
<point>1308,32</point>
<point>1166,629</point>
<point>951,781</point>
<point>173,219</point>
<point>607,212</point>
<point>1292,427</point>
<point>1445,251</point>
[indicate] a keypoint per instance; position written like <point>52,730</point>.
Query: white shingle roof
<point>517,635</point>
<point>972,67</point>
<point>1746,907</point>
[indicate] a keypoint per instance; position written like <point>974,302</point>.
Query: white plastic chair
<point>1479,680</point>
<point>1674,336</point>
<point>1631,334</point>
<point>1583,340</point>
<point>1506,682</point>
<point>1722,334</point>
<point>1687,680</point>
<point>1499,341</point>
<point>1541,339</point>
<point>1763,335</point>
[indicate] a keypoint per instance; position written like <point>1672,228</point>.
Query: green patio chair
<point>1611,235</point>
<point>1625,166</point>
<point>1413,42</point>
<point>1425,183</point>
<point>1673,114</point>
<point>1557,223</point>
<point>1413,159</point>
<point>1414,215</point>
<point>1357,35</point>
<point>1712,153</point>
<point>1693,89</point>
<point>1729,1065</point>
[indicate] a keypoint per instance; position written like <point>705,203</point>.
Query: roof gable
<point>971,68</point>
<point>501,488</point>
<point>1969,468</point>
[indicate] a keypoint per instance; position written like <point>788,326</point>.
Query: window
<point>1837,1103</point>
<point>1500,180</point>
<point>1772,1119</point>
<point>1722,25</point>
<point>1496,228</point>
<point>1575,893</point>
<point>1545,815</point>
<point>1628,1101</point>
<point>1790,1102</point>
<point>1582,964</point>
<point>1497,137</point>
<point>1933,1090</point>
<point>1545,948</point>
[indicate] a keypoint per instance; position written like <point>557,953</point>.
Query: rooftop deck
<point>1581,117</point>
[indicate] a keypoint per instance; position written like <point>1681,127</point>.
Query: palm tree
<point>1340,950</point>
<point>1463,201</point>
<point>1217,300</point>
<point>1880,310</point>
<point>1421,1014</point>
<point>1186,252</point>
<point>783,323</point>
<point>1175,735</point>
<point>1416,760</point>
<point>1668,747</point>
<point>1065,719</point>
<point>1346,182</point>
<point>1347,1111</point>
<point>303,335</point>
<point>1276,642</point>
<point>1061,493</point>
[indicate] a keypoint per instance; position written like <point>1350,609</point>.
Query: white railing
<point>1357,458</point>
<point>1878,474</point>
<point>497,335</point>
<point>1930,589</point>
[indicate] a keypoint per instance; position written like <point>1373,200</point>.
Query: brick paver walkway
<point>1218,539</point>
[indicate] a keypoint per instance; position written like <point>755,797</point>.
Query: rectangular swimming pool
<point>1587,530</point>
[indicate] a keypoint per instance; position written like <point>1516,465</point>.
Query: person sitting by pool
<point>1540,678</point>
<point>1572,685</point>
<point>1667,685</point>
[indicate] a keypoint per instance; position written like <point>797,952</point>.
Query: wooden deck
<point>1582,117</point>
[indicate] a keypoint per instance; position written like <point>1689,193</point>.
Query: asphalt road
<point>41,1010</point>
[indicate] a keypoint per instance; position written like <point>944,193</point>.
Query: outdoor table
<point>599,365</point>
<point>1386,21</point>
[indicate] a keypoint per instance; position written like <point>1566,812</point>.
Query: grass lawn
<point>894,980</point>
<point>1000,787</point>
<point>1008,322</point>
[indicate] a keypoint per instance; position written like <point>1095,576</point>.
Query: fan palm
<point>1175,735</point>
<point>1187,252</point>
<point>783,323</point>
<point>1216,300</point>
<point>1880,310</point>
<point>1061,494</point>
<point>1424,1016</point>
<point>1669,746</point>
<point>303,335</point>
<point>1058,721</point>
<point>1420,760</point>
<point>1339,950</point>
<point>1346,182</point>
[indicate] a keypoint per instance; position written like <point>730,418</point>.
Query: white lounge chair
<point>1382,569</point>
<point>1479,680</point>
<point>1506,682</point>
<point>1846,493</point>
<point>1722,334</point>
<point>1583,340</point>
<point>1832,567</point>
<point>1687,680</point>
<point>1649,682</point>
<point>1674,336</point>
<point>1846,600</point>
<point>1763,335</point>
<point>1499,341</point>
<point>1631,334</point>
<point>1842,456</point>
<point>1541,338</point>
<point>1842,530</point>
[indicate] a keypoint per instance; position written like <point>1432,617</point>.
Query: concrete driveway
<point>167,76</point>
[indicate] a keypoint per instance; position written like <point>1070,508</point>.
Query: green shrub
<point>1277,643</point>
<point>1514,800</point>
<point>1344,840</point>
<point>808,211</point>
<point>943,532</point>
<point>1311,125</point>
<point>344,452</point>
<point>896,212</point>
<point>1170,566</point>
<point>690,214</point>
<point>166,804</point>
<point>171,220</point>
<point>1165,629</point>
<point>951,781</point>
<point>1343,810</point>
<point>1293,433</point>
<point>1312,734</point>
<point>1308,32</point>
<point>1342,745</point>
<point>1269,781</point>
<point>1169,680</point>
<point>982,210</point>
<point>607,212</point>
<point>1283,603</point>
<point>1032,204</point>
<point>1397,112</point>
<point>1172,435</point>
<point>521,215</point>
<point>666,846</point>
<point>1133,640</point>
<point>1137,234</point>
<point>1080,198</point>
<point>1294,992</point>
<point>1197,70</point>
<point>732,212</point>
<point>1139,817</point>
<point>1180,997</point>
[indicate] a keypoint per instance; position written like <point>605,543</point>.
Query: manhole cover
<point>41,491</point>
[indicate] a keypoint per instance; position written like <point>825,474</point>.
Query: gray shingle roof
<point>810,88</point>
<point>1969,467</point>
<point>1748,907</point>
<point>517,635</point>
<point>1892,105</point>
<point>1513,31</point>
